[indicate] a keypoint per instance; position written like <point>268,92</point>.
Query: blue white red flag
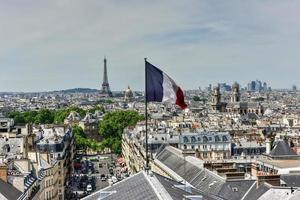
<point>161,88</point>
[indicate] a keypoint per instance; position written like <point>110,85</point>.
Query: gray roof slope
<point>255,192</point>
<point>178,194</point>
<point>9,191</point>
<point>291,180</point>
<point>235,189</point>
<point>208,182</point>
<point>282,149</point>
<point>136,187</point>
<point>204,180</point>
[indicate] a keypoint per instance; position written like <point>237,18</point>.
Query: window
<point>205,139</point>
<point>185,139</point>
<point>193,139</point>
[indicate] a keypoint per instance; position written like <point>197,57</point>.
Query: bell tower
<point>216,98</point>
<point>236,96</point>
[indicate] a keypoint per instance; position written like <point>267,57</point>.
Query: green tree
<point>94,109</point>
<point>196,98</point>
<point>112,127</point>
<point>44,116</point>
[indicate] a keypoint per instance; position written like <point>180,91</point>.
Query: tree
<point>196,98</point>
<point>44,116</point>
<point>96,108</point>
<point>112,127</point>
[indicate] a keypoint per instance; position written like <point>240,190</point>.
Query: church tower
<point>105,91</point>
<point>236,96</point>
<point>216,98</point>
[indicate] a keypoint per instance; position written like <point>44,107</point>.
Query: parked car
<point>89,188</point>
<point>103,177</point>
<point>114,179</point>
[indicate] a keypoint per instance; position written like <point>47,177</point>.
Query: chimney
<point>273,180</point>
<point>3,172</point>
<point>268,146</point>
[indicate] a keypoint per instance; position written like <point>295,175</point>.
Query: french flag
<point>161,88</point>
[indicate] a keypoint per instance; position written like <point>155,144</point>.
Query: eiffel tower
<point>105,91</point>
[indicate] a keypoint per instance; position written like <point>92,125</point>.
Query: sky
<point>60,44</point>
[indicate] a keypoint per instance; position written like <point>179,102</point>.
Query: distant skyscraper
<point>258,85</point>
<point>265,86</point>
<point>253,83</point>
<point>224,87</point>
<point>294,88</point>
<point>105,91</point>
<point>209,88</point>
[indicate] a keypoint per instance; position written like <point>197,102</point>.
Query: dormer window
<point>185,139</point>
<point>193,139</point>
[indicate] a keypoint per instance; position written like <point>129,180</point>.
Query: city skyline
<point>57,45</point>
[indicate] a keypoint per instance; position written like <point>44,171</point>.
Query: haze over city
<point>53,45</point>
<point>149,100</point>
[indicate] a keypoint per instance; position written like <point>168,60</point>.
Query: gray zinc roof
<point>291,180</point>
<point>235,189</point>
<point>8,191</point>
<point>255,192</point>
<point>282,149</point>
<point>205,181</point>
<point>149,187</point>
<point>133,188</point>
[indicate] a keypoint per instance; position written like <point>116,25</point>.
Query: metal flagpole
<point>146,117</point>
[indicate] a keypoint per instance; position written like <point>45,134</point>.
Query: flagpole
<point>146,117</point>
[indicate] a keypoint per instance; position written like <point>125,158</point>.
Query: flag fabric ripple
<point>161,88</point>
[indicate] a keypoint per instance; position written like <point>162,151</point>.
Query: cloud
<point>59,44</point>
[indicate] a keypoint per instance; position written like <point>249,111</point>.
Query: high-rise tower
<point>105,91</point>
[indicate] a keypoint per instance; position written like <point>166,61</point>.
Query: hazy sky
<point>59,44</point>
